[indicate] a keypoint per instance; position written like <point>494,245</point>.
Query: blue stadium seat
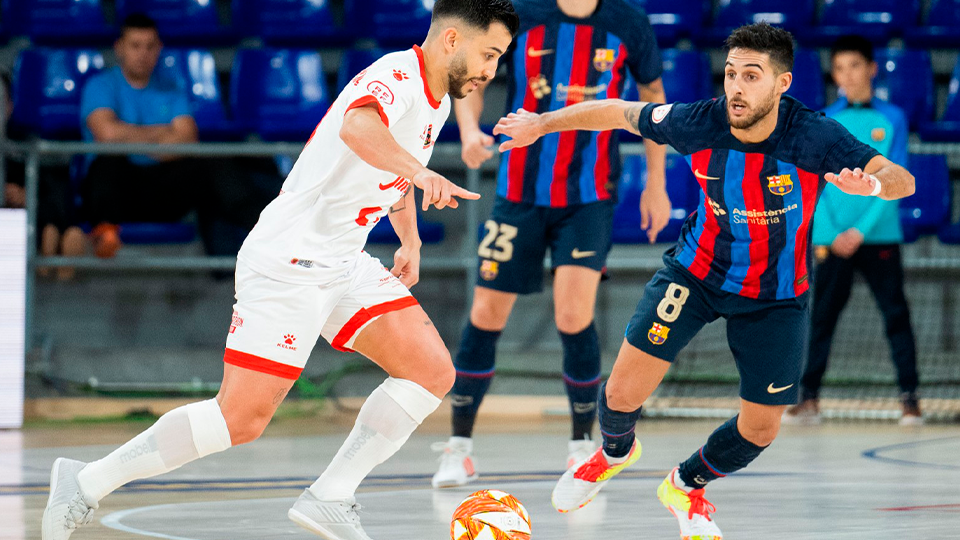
<point>290,22</point>
<point>60,22</point>
<point>948,128</point>
<point>790,15</point>
<point>927,210</point>
<point>191,22</point>
<point>682,189</point>
<point>399,23</point>
<point>808,84</point>
<point>676,19</point>
<point>353,61</point>
<point>877,20</point>
<point>46,91</point>
<point>278,93</point>
<point>905,78</point>
<point>194,72</point>
<point>941,28</point>
<point>431,232</point>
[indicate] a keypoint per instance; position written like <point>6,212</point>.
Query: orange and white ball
<point>490,514</point>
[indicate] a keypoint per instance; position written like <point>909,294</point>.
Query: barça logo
<point>603,59</point>
<point>489,270</point>
<point>657,334</point>
<point>780,184</point>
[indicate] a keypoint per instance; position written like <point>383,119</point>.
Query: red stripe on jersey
<point>260,364</point>
<point>700,267</point>
<point>366,101</point>
<point>518,156</point>
<point>423,76</point>
<point>809,184</point>
<point>601,170</point>
<point>753,186</point>
<point>364,316</point>
<point>583,37</point>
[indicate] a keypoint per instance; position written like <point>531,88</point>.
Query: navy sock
<point>581,376</point>
<point>475,366</point>
<point>726,452</point>
<point>616,427</point>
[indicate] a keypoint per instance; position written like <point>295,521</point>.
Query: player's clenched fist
<point>523,128</point>
<point>476,148</point>
<point>855,182</point>
<point>440,192</point>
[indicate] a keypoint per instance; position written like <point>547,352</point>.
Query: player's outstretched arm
<point>895,182</point>
<point>524,127</point>
<point>365,134</point>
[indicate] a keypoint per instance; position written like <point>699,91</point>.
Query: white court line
<point>113,521</point>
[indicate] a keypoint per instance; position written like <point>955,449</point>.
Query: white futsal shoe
<point>456,463</point>
<point>333,520</point>
<point>579,450</point>
<point>67,509</point>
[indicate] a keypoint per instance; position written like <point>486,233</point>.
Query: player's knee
<point>760,433</point>
<point>572,321</point>
<point>488,314</point>
<point>619,397</point>
<point>246,425</point>
<point>438,374</point>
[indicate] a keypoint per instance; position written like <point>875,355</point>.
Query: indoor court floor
<point>843,481</point>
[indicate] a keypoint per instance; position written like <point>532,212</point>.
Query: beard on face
<point>458,78</point>
<point>759,112</point>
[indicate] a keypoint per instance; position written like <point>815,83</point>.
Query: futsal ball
<point>490,515</point>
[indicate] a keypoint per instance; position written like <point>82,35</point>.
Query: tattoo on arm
<point>632,115</point>
<point>402,203</point>
<point>279,397</point>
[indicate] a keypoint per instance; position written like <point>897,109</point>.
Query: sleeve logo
<point>380,91</point>
<point>660,113</point>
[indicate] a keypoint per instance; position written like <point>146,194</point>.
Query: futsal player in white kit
<point>302,273</point>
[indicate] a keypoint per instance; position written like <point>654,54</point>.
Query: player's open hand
<point>440,192</point>
<point>522,127</point>
<point>476,148</point>
<point>655,211</point>
<point>855,182</point>
<point>406,265</point>
<point>847,243</point>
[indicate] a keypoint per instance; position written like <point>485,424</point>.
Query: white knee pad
<point>414,399</point>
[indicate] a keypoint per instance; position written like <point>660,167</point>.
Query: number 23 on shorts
<point>501,236</point>
<point>669,308</point>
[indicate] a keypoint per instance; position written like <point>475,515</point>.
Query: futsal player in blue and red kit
<point>761,159</point>
<point>560,194</point>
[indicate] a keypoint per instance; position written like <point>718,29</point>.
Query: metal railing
<point>448,155</point>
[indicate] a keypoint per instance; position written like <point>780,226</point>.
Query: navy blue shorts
<point>767,337</point>
<point>517,235</point>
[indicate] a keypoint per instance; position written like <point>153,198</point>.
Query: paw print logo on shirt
<point>287,342</point>
<point>289,339</point>
<point>399,75</point>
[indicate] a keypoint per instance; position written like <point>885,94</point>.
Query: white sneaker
<point>333,520</point>
<point>578,451</point>
<point>456,463</point>
<point>67,509</point>
<point>581,483</point>
<point>690,508</point>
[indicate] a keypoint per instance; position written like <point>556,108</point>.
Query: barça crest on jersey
<point>603,59</point>
<point>489,270</point>
<point>780,184</point>
<point>658,334</point>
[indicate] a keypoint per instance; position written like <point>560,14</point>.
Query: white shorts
<point>276,325</point>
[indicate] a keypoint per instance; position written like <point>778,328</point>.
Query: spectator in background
<point>131,104</point>
<point>56,220</point>
<point>860,234</point>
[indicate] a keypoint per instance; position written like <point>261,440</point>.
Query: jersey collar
<point>423,76</point>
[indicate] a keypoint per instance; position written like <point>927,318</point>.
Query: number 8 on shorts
<point>672,303</point>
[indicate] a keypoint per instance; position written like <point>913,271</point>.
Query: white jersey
<point>315,229</point>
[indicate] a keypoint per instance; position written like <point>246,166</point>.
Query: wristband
<point>876,186</point>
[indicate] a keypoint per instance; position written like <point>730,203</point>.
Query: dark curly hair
<point>479,13</point>
<point>763,38</point>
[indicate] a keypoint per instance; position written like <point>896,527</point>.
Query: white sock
<point>177,438</point>
<point>615,460</point>
<point>385,422</point>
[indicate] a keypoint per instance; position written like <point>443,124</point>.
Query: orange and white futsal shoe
<point>690,508</point>
<point>581,483</point>
<point>456,463</point>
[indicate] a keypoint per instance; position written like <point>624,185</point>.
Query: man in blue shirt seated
<point>860,234</point>
<point>132,104</point>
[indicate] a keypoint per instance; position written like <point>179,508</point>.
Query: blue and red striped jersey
<point>750,234</point>
<point>558,61</point>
